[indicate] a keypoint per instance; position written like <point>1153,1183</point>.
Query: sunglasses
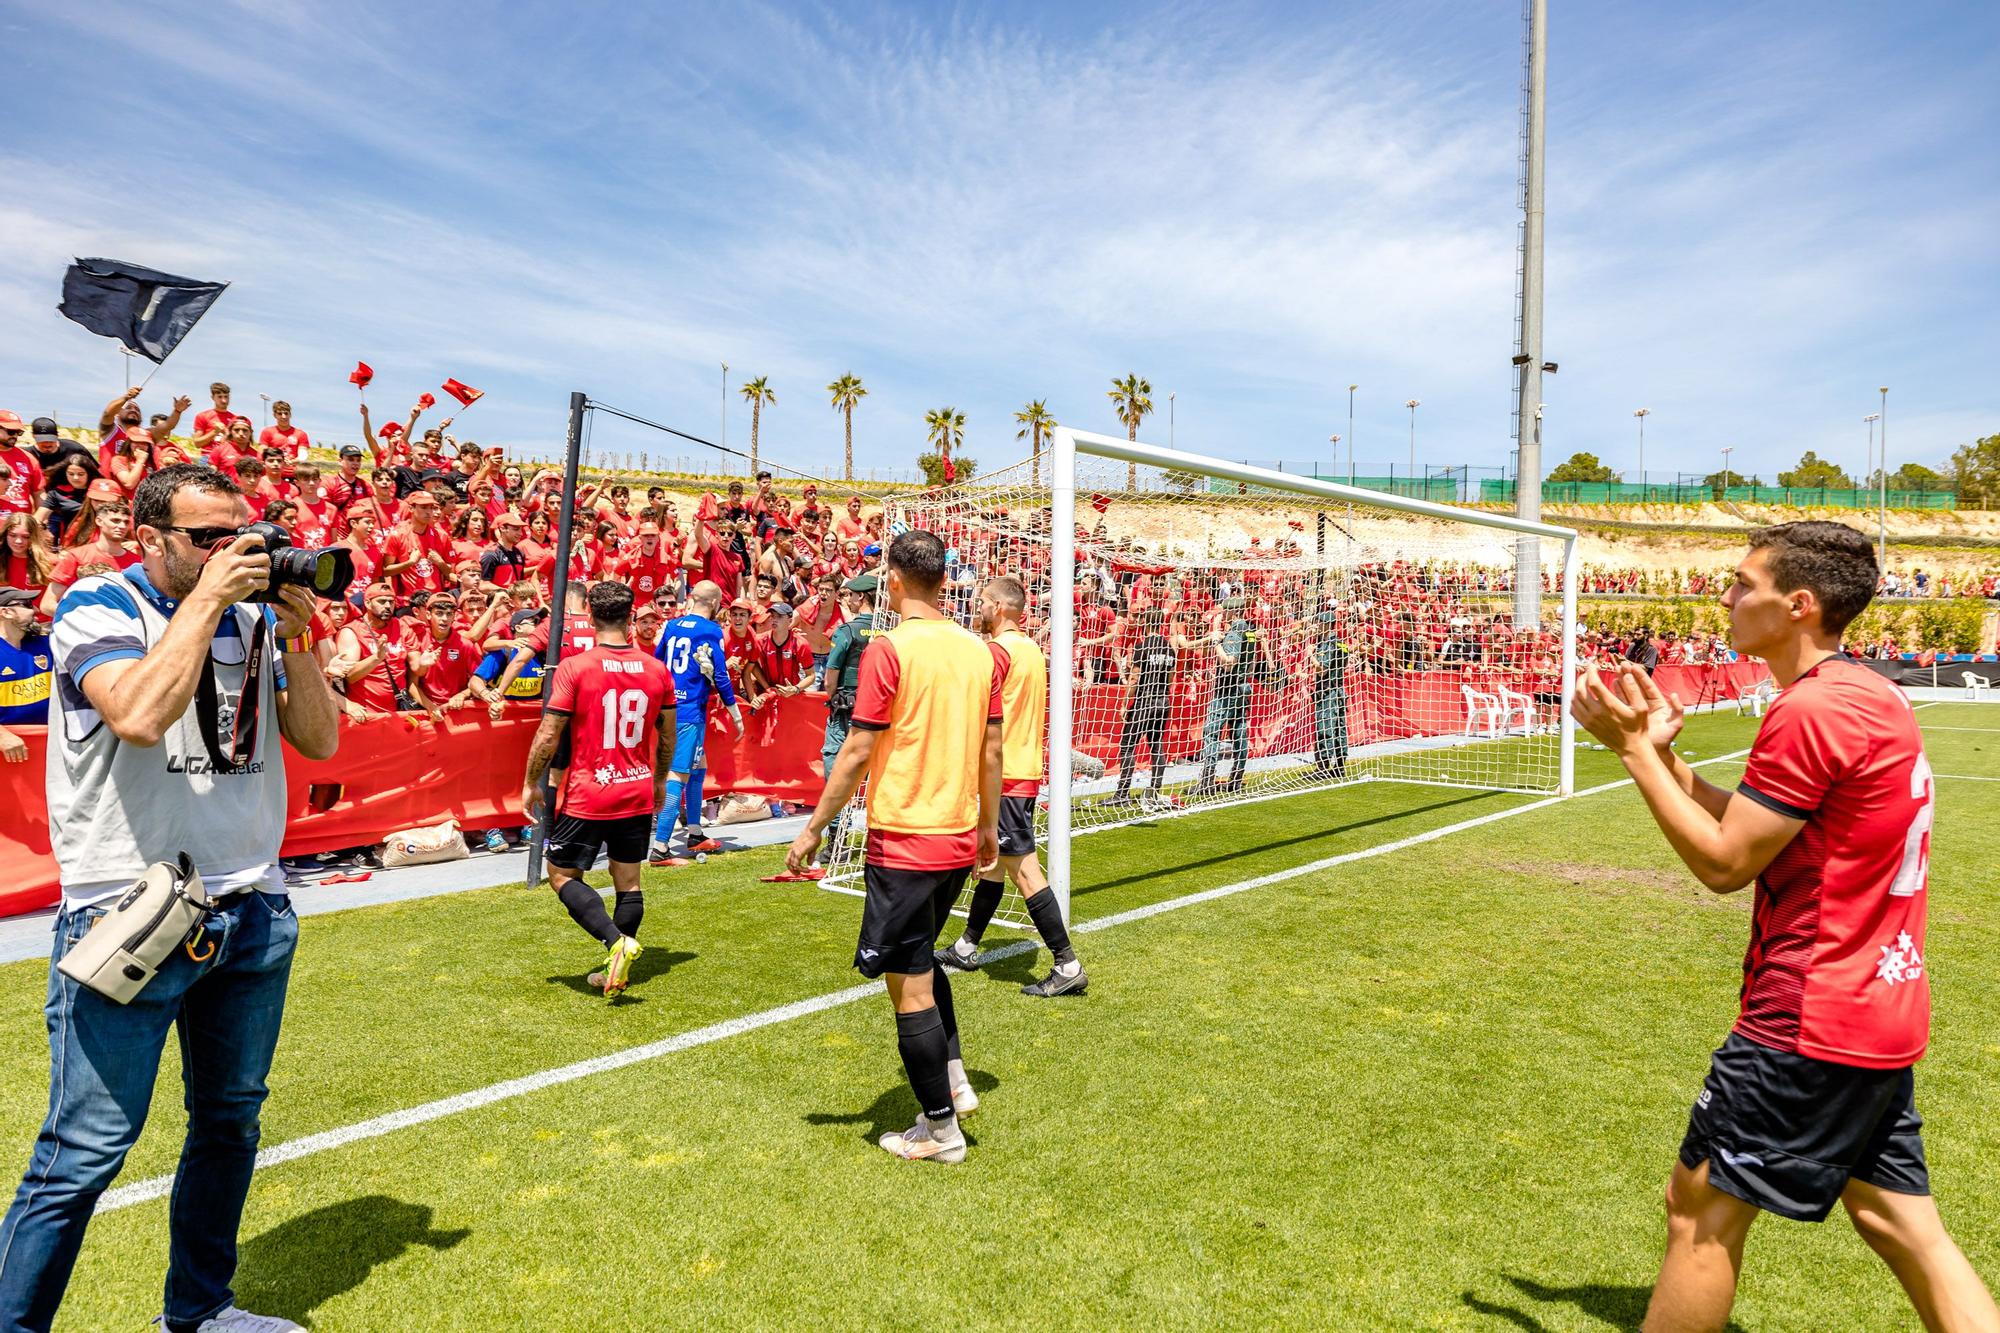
<point>207,539</point>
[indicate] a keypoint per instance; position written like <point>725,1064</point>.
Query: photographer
<point>167,686</point>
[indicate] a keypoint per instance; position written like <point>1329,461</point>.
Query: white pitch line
<point>1964,777</point>
<point>158,1187</point>
<point>1990,731</point>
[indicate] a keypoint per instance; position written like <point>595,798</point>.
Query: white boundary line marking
<point>158,1187</point>
<point>1964,777</point>
<point>1989,731</point>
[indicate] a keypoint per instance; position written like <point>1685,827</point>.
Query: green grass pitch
<point>1439,1088</point>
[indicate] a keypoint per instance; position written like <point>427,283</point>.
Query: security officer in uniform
<point>1330,698</point>
<point>1233,644</point>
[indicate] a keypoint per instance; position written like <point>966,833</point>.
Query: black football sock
<point>921,1042</point>
<point>586,908</point>
<point>1047,916</point>
<point>627,911</point>
<point>941,991</point>
<point>986,896</point>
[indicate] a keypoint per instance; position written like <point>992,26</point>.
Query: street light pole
<point>1642,414</point>
<point>1727,449</point>
<point>1170,418</point>
<point>1413,405</point>
<point>1335,441</point>
<point>1350,432</point>
<point>725,414</point>
<point>267,410</point>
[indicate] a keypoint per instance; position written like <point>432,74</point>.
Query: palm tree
<point>847,391</point>
<point>947,428</point>
<point>757,392</point>
<point>1132,398</point>
<point>1035,421</point>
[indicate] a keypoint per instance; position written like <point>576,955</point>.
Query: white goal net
<point>1233,635</point>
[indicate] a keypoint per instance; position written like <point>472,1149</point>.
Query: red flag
<point>1100,502</point>
<point>363,372</point>
<point>950,471</point>
<point>390,428</point>
<point>426,401</point>
<point>1295,525</point>
<point>465,393</point>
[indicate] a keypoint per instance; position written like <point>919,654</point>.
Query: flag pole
<point>552,657</point>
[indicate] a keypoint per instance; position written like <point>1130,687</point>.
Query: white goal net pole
<point>1062,654</point>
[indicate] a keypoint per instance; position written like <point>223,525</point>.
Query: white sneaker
<point>233,1320</point>
<point>964,1100</point>
<point>918,1143</point>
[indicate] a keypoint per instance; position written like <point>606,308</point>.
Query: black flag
<point>147,310</point>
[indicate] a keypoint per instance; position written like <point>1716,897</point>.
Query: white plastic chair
<point>1512,702</point>
<point>1481,709</point>
<point>1757,696</point>
<point>1976,686</point>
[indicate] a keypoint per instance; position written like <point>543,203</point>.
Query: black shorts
<point>901,918</point>
<point>1017,825</point>
<point>574,843</point>
<point>1787,1132</point>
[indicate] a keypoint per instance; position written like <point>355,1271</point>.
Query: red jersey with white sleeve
<point>1835,969</point>
<point>614,697</point>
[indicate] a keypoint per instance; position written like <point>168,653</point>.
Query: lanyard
<point>243,742</point>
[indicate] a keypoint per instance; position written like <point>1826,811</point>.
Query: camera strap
<point>208,710</point>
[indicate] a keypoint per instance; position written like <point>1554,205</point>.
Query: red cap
<point>360,509</point>
<point>11,421</point>
<point>649,529</point>
<point>743,604</point>
<point>139,435</point>
<point>512,518</point>
<point>105,489</point>
<point>379,588</point>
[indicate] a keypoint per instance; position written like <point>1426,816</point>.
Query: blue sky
<point>1757,214</point>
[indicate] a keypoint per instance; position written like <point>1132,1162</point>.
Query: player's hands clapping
<point>1615,712</point>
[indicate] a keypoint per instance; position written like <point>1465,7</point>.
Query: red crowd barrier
<point>398,772</point>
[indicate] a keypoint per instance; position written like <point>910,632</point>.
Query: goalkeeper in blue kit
<point>691,648</point>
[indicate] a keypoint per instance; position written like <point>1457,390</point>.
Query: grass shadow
<point>1619,1306</point>
<point>300,1264</point>
<point>1262,848</point>
<point>652,963</point>
<point>895,1109</point>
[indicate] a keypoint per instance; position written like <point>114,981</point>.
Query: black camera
<point>324,573</point>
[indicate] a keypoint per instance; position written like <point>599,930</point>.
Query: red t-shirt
<point>431,549</point>
<point>218,420</point>
<point>614,697</point>
<point>646,577</point>
<point>294,443</point>
<point>69,565</point>
<point>315,524</point>
<point>785,663</point>
<point>20,481</point>
<point>456,660</point>
<point>377,689</point>
<point>722,567</point>
<point>1835,969</point>
<point>579,636</point>
<point>223,455</point>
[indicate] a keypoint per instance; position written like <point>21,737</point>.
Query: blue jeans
<point>104,1059</point>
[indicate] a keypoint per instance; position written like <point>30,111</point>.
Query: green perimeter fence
<point>1694,492</point>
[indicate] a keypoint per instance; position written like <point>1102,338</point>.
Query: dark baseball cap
<point>531,616</point>
<point>10,596</point>
<point>350,451</point>
<point>865,584</point>
<point>44,428</point>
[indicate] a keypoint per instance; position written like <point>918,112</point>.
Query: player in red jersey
<point>609,701</point>
<point>1811,1098</point>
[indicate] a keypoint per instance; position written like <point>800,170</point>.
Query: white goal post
<point>1201,613</point>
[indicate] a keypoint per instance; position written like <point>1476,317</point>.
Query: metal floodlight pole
<point>1642,414</point>
<point>553,654</point>
<point>1170,418</point>
<point>1350,432</point>
<point>723,439</point>
<point>1413,405</point>
<point>1882,529</point>
<point>1528,487</point>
